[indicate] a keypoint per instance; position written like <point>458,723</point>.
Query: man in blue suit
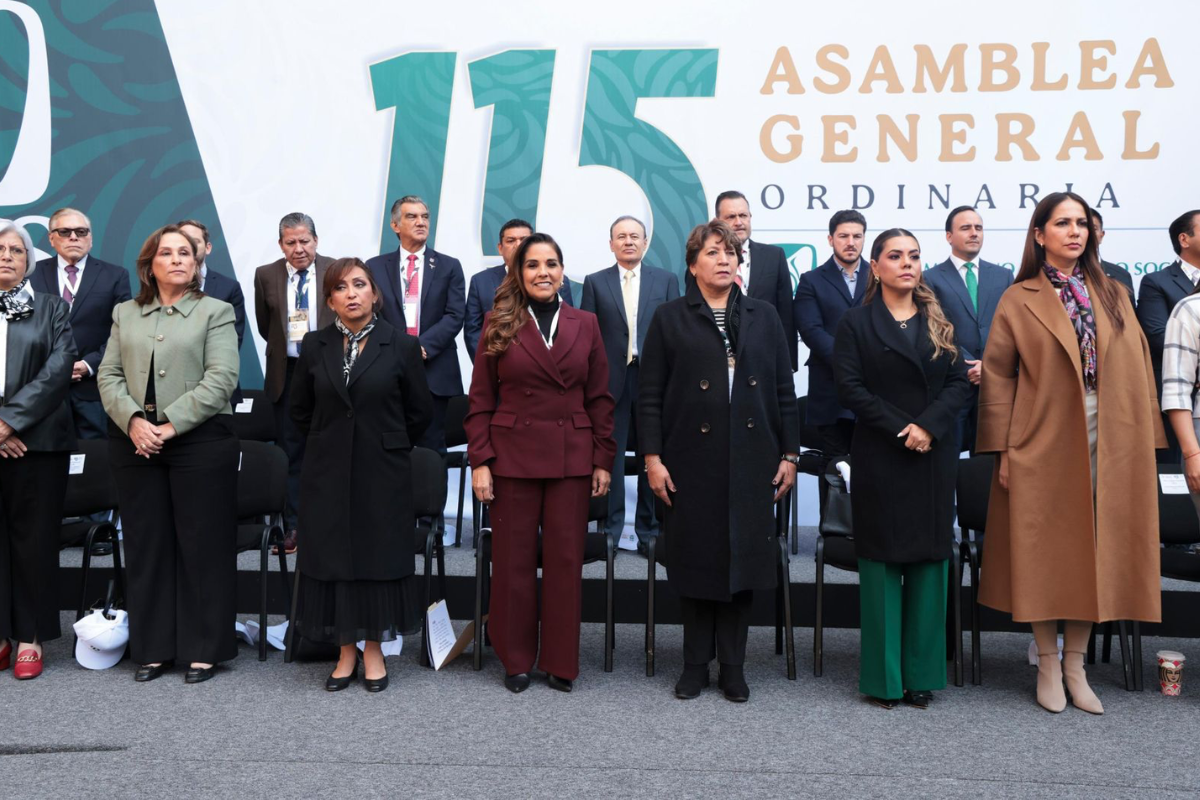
<point>968,289</point>
<point>92,288</point>
<point>481,294</point>
<point>423,292</point>
<point>624,297</point>
<point>218,286</point>
<point>1159,293</point>
<point>823,296</point>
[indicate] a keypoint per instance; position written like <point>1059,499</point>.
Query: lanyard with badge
<point>72,286</point>
<point>298,319</point>
<point>549,340</point>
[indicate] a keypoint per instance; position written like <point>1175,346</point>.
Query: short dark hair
<point>955,213</point>
<point>625,218</point>
<point>844,216</point>
<point>514,223</point>
<point>1186,223</point>
<point>732,194</point>
<point>1096,215</point>
<point>336,272</point>
<point>297,219</point>
<point>195,223</point>
<point>700,234</point>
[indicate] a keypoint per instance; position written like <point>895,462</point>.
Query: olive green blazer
<point>194,348</point>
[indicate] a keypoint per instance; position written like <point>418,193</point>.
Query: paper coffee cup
<point>1170,672</point>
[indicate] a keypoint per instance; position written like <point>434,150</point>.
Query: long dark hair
<point>510,312</point>
<point>1034,257</point>
<point>145,265</point>
<point>941,331</point>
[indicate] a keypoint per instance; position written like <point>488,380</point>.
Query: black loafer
<point>517,683</point>
<point>693,680</point>
<point>732,683</point>
<point>561,684</point>
<point>879,701</point>
<point>148,673</point>
<point>333,684</point>
<point>199,674</point>
<point>375,685</point>
<point>918,699</point>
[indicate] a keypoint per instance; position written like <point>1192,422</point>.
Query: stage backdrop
<point>570,115</point>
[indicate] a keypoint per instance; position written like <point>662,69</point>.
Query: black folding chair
<point>812,462</point>
<point>257,424</point>
<point>658,552</point>
<point>261,493</point>
<point>456,436</point>
<point>429,490</point>
<point>90,492</point>
<point>597,545</point>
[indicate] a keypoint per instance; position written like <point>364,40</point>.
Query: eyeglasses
<point>80,233</point>
<point>17,252</point>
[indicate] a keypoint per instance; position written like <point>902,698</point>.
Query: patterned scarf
<point>16,303</point>
<point>352,340</point>
<point>1075,300</point>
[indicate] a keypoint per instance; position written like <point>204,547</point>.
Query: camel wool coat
<point>1047,555</point>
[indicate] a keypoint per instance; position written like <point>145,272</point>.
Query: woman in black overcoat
<point>898,370</point>
<point>360,396</point>
<point>717,422</point>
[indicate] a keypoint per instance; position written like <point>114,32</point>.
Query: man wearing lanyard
<point>92,288</point>
<point>288,303</point>
<point>423,292</point>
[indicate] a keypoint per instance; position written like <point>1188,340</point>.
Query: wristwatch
<point>790,459</point>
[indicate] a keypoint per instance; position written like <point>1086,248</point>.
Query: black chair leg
<point>462,489</point>
<point>439,550</point>
<point>1126,661</point>
<point>651,570</point>
<point>1089,655</point>
<point>1136,636</point>
<point>264,564</point>
<point>429,545</point>
<point>795,527</point>
<point>480,566</point>
<point>976,657</point>
<point>1106,653</point>
<point>609,629</point>
<point>283,571</point>
<point>819,620</point>
<point>118,567</point>
<point>956,599</point>
<point>786,595</point>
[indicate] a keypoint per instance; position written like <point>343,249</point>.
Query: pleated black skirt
<point>344,612</point>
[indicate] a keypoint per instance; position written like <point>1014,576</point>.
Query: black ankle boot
<point>692,681</point>
<point>733,683</point>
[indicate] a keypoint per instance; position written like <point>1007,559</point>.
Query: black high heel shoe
<point>333,684</point>
<point>375,684</point>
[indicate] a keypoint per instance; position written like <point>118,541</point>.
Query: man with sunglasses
<point>91,288</point>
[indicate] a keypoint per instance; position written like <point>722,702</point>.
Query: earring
<point>877,277</point>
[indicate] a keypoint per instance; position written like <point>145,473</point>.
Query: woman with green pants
<point>899,371</point>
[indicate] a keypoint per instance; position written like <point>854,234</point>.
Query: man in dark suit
<point>1114,271</point>
<point>218,286</point>
<point>289,301</point>
<point>763,273</point>
<point>823,296</point>
<point>423,293</point>
<point>624,297</point>
<point>482,291</point>
<point>1160,291</point>
<point>968,289</point>
<point>91,288</point>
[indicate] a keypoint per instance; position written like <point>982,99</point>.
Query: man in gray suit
<point>968,290</point>
<point>623,298</point>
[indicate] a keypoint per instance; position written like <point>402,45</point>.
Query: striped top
<point>1181,357</point>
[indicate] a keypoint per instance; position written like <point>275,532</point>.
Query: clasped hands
<point>916,438</point>
<point>10,445</point>
<point>148,439</point>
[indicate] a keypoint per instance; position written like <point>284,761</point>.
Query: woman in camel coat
<point>1072,530</point>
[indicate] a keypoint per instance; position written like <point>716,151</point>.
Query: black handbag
<point>837,519</point>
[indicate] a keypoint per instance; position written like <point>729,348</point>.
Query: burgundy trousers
<point>559,508</point>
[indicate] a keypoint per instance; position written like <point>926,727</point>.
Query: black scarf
<point>352,339</point>
<point>15,303</point>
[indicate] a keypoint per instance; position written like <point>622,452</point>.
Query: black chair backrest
<point>429,482</point>
<point>456,412</point>
<point>810,437</point>
<point>93,490</point>
<point>973,490</point>
<point>262,480</point>
<point>1177,520</point>
<point>257,424</point>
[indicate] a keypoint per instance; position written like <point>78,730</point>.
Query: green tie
<point>972,285</point>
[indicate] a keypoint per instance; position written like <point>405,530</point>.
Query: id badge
<point>410,314</point>
<point>297,325</point>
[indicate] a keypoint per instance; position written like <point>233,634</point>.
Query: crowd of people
<point>1054,369</point>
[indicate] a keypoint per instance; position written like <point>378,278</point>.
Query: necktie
<point>629,295</point>
<point>972,285</point>
<point>302,290</point>
<point>412,291</point>
<point>72,272</point>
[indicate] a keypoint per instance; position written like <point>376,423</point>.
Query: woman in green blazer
<point>166,379</point>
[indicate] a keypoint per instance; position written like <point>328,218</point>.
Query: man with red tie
<point>423,292</point>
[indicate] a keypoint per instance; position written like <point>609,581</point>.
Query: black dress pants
<point>179,518</point>
<point>712,629</point>
<point>32,489</point>
<point>292,440</point>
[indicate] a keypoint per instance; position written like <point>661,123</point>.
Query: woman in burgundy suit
<point>539,432</point>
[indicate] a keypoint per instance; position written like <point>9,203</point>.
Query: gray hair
<point>7,226</point>
<point>62,212</point>
<point>408,198</point>
<point>297,219</point>
<point>625,218</point>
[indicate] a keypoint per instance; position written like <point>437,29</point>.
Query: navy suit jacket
<point>102,287</point>
<point>971,326</point>
<point>1160,292</point>
<point>821,300</point>
<point>481,295</point>
<point>443,309</point>
<point>602,296</point>
<point>1121,276</point>
<point>771,282</point>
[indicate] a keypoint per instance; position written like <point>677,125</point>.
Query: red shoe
<point>29,665</point>
<point>5,655</point>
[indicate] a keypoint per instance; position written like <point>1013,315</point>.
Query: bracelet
<point>646,466</point>
<point>1193,455</point>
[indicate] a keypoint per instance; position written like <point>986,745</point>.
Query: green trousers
<point>903,612</point>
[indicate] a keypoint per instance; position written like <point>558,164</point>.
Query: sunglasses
<point>80,233</point>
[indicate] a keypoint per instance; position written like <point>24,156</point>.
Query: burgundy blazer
<point>543,413</point>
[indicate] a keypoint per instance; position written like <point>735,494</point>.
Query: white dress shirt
<point>1192,272</point>
<point>743,269</point>
<point>636,273</point>
<point>403,283</point>
<point>961,266</point>
<point>310,289</point>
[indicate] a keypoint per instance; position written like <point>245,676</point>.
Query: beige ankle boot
<point>1074,645</point>
<point>1050,694</point>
